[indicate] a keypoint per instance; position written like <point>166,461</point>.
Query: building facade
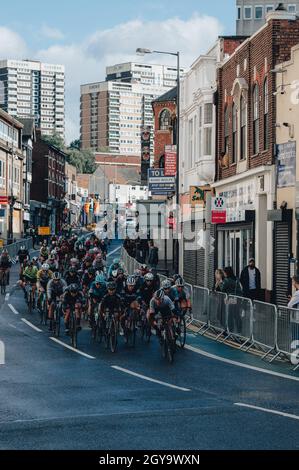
<point>48,187</point>
<point>28,141</point>
<point>286,255</point>
<point>11,178</point>
<point>34,89</point>
<point>165,125</point>
<point>73,199</point>
<point>246,137</point>
<point>251,14</point>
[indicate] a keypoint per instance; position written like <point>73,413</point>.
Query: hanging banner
<point>170,160</point>
<point>198,195</point>
<point>286,157</point>
<point>145,154</point>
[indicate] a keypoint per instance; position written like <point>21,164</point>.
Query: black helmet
<point>74,288</point>
<point>111,286</point>
<point>159,295</point>
<point>72,270</point>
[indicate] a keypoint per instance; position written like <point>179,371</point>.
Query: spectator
<point>219,278</point>
<point>231,284</point>
<point>153,258</point>
<point>294,316</point>
<point>294,300</point>
<point>251,281</point>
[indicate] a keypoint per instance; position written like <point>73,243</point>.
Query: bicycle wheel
<point>113,336</point>
<point>131,338</point>
<point>170,345</point>
<point>57,322</point>
<point>182,332</point>
<point>74,331</point>
<point>30,303</point>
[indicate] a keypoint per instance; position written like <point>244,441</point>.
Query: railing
<point>272,331</point>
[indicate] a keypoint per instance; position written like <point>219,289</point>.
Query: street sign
<point>44,231</point>
<point>3,200</point>
<point>218,217</point>
<point>159,184</point>
<point>170,160</point>
<point>218,203</point>
<point>198,195</point>
<point>1,243</point>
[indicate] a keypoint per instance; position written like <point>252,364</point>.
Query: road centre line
<point>266,410</point>
<point>114,251</point>
<point>7,297</point>
<point>134,374</point>
<point>71,348</point>
<point>240,364</point>
<point>13,309</point>
<point>31,325</point>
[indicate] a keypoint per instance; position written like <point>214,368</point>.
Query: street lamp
<point>142,51</point>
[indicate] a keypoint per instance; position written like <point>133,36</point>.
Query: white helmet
<point>45,267</point>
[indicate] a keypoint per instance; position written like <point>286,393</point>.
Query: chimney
<point>281,13</point>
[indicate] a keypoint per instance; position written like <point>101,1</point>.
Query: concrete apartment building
<point>34,89</point>
<point>251,14</point>
<point>113,112</point>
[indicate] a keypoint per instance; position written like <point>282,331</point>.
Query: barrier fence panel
<point>218,312</point>
<point>264,325</point>
<point>239,319</point>
<point>15,247</point>
<point>189,289</point>
<point>200,306</point>
<point>287,331</point>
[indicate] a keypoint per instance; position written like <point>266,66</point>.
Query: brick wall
<point>253,62</point>
<point>162,138</point>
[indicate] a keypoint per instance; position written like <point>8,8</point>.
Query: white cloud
<point>51,33</point>
<point>12,46</point>
<point>86,61</point>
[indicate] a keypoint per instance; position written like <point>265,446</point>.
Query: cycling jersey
<point>43,277</point>
<point>23,255</point>
<point>30,274</point>
<point>97,293</point>
<point>177,296</point>
<point>87,280</point>
<point>5,262</point>
<point>55,289</point>
<point>71,301</point>
<point>111,303</point>
<point>72,279</point>
<point>146,292</point>
<point>129,296</point>
<point>166,308</point>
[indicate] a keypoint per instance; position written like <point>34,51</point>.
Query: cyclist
<point>139,278</point>
<point>72,277</point>
<point>144,270</point>
<point>88,278</point>
<point>35,262</point>
<point>157,281</point>
<point>87,262</point>
<point>103,248</point>
<point>160,305</point>
<point>120,281</point>
<point>43,277</point>
<point>5,265</point>
<point>53,264</point>
<point>29,277</point>
<point>114,267</point>
<point>175,277</point>
<point>55,290</point>
<point>99,264</point>
<point>180,296</point>
<point>72,299</point>
<point>147,289</point>
<point>130,299</point>
<point>44,252</point>
<point>97,292</point>
<point>23,255</point>
<point>111,301</point>
<point>74,263</point>
<point>80,252</point>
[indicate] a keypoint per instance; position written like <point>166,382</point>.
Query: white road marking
<point>31,326</point>
<point>126,371</point>
<point>7,297</point>
<point>13,309</point>
<point>71,348</point>
<point>266,410</point>
<point>239,364</point>
<point>114,251</point>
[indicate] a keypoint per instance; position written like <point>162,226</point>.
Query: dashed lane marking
<point>7,297</point>
<point>31,325</point>
<point>71,348</point>
<point>240,364</point>
<point>148,379</point>
<point>13,309</point>
<point>266,410</point>
<point>114,251</point>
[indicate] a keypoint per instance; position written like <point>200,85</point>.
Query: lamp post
<point>142,52</point>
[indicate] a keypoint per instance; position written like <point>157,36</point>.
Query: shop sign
<point>3,200</point>
<point>198,195</point>
<point>44,231</point>
<point>159,184</point>
<point>218,217</point>
<point>286,158</point>
<point>170,160</point>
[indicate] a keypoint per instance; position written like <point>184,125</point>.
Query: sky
<point>88,35</point>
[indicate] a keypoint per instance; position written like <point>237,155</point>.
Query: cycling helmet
<point>176,277</point>
<point>166,285</point>
<point>74,288</point>
<point>99,256</point>
<point>23,248</point>
<point>120,271</point>
<point>35,259</point>
<point>45,267</point>
<point>74,261</point>
<point>116,261</point>
<point>99,280</point>
<point>137,273</point>
<point>159,295</point>
<point>180,282</point>
<point>72,270</point>
<point>111,286</point>
<point>54,252</point>
<point>81,247</point>
<point>57,276</point>
<point>149,277</point>
<point>114,273</point>
<point>131,281</point>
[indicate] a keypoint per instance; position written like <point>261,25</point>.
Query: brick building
<point>165,115</point>
<point>245,154</point>
<point>48,185</point>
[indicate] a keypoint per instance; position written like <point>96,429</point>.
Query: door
<point>235,250</point>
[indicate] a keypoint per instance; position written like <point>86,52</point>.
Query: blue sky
<point>88,35</point>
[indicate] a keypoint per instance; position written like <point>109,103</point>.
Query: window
<point>266,114</point>
<point>247,13</point>
<point>235,134</point>
<point>200,134</point>
<point>208,141</point>
<point>269,8</point>
<point>208,113</point>
<point>292,8</point>
<point>259,10</point>
<point>239,13</point>
<point>190,159</point>
<point>256,120</point>
<point>226,130</point>
<point>165,120</point>
<point>243,128</point>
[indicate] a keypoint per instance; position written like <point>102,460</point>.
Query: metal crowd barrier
<point>239,319</point>
<point>264,323</point>
<point>200,307</point>
<point>15,247</point>
<point>287,332</point>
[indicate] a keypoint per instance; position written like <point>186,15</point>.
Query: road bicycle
<point>167,337</point>
<point>110,328</point>
<point>3,281</point>
<point>43,309</point>
<point>30,297</point>
<point>130,326</point>
<point>57,318</point>
<point>145,327</point>
<point>73,328</point>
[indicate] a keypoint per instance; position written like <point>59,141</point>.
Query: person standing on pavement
<point>251,281</point>
<point>219,278</point>
<point>294,316</point>
<point>153,258</point>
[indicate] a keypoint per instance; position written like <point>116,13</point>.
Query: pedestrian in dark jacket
<point>231,286</point>
<point>153,258</point>
<point>251,281</point>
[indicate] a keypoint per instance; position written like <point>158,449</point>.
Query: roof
<point>10,119</point>
<point>29,126</point>
<point>121,174</point>
<point>112,159</point>
<point>171,95</point>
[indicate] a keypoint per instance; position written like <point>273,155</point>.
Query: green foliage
<point>75,145</point>
<point>54,139</point>
<point>83,160</point>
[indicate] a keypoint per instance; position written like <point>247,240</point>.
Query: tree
<point>83,160</point>
<point>55,139</point>
<point>75,145</point>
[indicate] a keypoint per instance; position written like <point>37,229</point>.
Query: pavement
<point>212,397</point>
